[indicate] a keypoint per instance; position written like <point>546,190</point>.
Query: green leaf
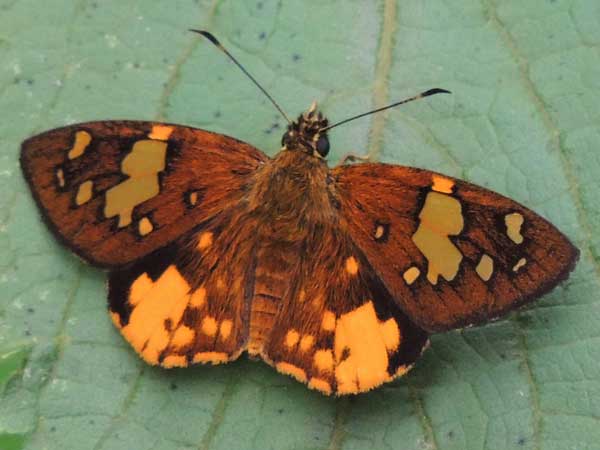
<point>524,120</point>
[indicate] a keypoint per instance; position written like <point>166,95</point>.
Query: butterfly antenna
<point>416,97</point>
<point>217,44</point>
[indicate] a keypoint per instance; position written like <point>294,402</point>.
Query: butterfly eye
<point>323,145</point>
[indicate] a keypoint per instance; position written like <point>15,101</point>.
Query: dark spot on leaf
<point>53,429</point>
<point>450,434</point>
<point>217,114</point>
<point>280,410</point>
<point>262,35</point>
<point>296,57</point>
<point>272,128</point>
<point>259,5</point>
<point>30,310</point>
<point>136,65</point>
<point>521,441</point>
<point>29,81</point>
<point>173,386</point>
<point>524,320</point>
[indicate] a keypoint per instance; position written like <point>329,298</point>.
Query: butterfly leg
<point>353,157</point>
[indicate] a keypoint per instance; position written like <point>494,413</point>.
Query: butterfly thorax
<point>306,134</point>
<point>292,190</point>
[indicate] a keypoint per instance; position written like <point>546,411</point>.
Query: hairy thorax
<point>291,193</point>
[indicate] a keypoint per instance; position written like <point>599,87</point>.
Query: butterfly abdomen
<point>274,263</point>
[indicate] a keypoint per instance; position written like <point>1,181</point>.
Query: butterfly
<point>335,276</point>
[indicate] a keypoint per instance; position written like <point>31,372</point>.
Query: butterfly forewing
<point>451,253</point>
<point>116,191</point>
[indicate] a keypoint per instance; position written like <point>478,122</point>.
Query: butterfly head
<point>305,133</point>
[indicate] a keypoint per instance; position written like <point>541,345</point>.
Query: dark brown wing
<point>186,303</point>
<point>116,191</point>
<point>336,327</point>
<point>450,253</point>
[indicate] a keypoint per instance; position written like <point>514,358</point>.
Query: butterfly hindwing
<point>185,303</point>
<point>336,327</point>
<point>451,253</point>
<point>115,191</point>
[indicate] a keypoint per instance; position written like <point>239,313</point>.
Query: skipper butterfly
<point>335,276</point>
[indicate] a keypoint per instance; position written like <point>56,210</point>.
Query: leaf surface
<point>524,120</point>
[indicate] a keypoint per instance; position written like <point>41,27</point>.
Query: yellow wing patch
<point>143,164</point>
<point>361,349</point>
<point>440,218</point>
<point>146,329</point>
<point>156,328</point>
<point>359,359</point>
<point>82,140</point>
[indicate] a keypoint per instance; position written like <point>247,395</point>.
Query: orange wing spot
<point>160,132</point>
<point>84,192</point>
<point>205,240</point>
<point>116,319</point>
<point>411,275</point>
<point>391,334</point>
<point>198,297</point>
<point>361,336</point>
<point>519,264</point>
<point>209,326</point>
<point>320,385</point>
<point>60,177</point>
<point>306,342</point>
<point>317,301</point>
<point>82,140</point>
<point>485,267</point>
<point>174,361</point>
<point>513,223</point>
<point>183,336</point>
<point>442,184</point>
<point>302,296</point>
<point>351,265</point>
<point>323,360</point>
<point>145,226</point>
<point>153,303</point>
<point>328,322</point>
<point>291,338</point>
<point>140,287</point>
<point>210,357</point>
<point>193,198</point>
<point>290,369</point>
<point>402,370</point>
<point>225,329</point>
